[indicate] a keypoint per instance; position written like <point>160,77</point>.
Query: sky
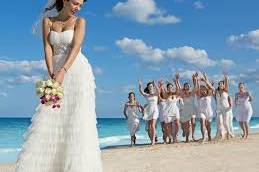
<point>128,40</point>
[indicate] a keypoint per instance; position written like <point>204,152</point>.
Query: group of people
<point>179,107</point>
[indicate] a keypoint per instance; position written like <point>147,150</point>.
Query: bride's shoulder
<point>81,21</point>
<point>47,21</point>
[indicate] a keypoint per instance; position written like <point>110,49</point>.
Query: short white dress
<point>172,110</point>
<point>188,109</point>
<point>204,108</point>
<point>162,110</point>
<point>224,113</point>
<point>244,109</point>
<point>151,109</point>
<point>133,119</point>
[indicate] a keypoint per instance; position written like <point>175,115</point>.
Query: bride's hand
<point>59,76</point>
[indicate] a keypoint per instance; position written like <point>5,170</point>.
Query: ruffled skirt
<point>65,139</point>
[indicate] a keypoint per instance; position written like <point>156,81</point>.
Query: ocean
<point>112,132</point>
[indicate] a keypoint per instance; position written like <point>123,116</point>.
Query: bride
<point>64,139</point>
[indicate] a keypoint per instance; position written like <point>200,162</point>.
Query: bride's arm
<point>47,47</point>
<point>74,50</point>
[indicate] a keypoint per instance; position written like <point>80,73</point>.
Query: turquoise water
<point>112,132</point>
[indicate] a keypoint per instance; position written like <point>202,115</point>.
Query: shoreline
<point>228,155</point>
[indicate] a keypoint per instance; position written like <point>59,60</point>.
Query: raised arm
<point>46,24</point>
<point>157,88</point>
<point>198,86</point>
<point>177,81</point>
<point>206,80</point>
<point>141,90</point>
<point>162,91</point>
<point>226,81</point>
<point>194,81</point>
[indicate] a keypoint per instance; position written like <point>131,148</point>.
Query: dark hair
<point>219,83</point>
<point>169,85</point>
<point>241,83</point>
<point>146,90</point>
<point>187,84</point>
<point>58,5</point>
<point>133,94</point>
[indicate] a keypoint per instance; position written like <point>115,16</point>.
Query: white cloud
<point>100,49</point>
<point>3,94</point>
<point>245,40</point>
<point>128,88</point>
<point>186,74</point>
<point>103,91</point>
<point>251,70</point>
<point>13,73</point>
<point>144,11</point>
<point>22,79</point>
<point>226,63</point>
<point>147,53</point>
<point>190,55</point>
<point>153,68</point>
<point>199,5</point>
<point>139,48</point>
<point>24,66</point>
<point>98,71</point>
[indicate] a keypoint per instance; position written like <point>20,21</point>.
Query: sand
<point>234,155</point>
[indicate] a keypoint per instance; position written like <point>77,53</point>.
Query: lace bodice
<point>222,100</point>
<point>152,100</point>
<point>61,41</point>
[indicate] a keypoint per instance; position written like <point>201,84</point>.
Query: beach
<point>220,156</point>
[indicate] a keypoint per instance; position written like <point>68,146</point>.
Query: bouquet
<point>50,92</point>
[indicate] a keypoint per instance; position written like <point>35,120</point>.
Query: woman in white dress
<point>162,108</point>
<point>224,110</point>
<point>151,112</point>
<point>65,139</point>
<point>172,116</point>
<point>204,96</point>
<point>132,109</point>
<point>188,111</point>
<point>244,109</point>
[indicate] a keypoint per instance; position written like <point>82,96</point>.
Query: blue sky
<point>129,40</point>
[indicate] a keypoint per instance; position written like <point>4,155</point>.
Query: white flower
<point>40,84</point>
<point>39,91</point>
<point>47,91</point>
<point>48,97</point>
<point>59,89</point>
<point>60,95</point>
<point>54,91</point>
<point>49,83</point>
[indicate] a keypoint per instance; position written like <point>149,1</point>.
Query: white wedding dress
<point>65,139</point>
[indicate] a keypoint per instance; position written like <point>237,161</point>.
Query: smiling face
<point>221,85</point>
<point>150,87</point>
<point>241,87</point>
<point>203,90</point>
<point>72,6</point>
<point>170,88</point>
<point>131,97</point>
<point>186,87</point>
